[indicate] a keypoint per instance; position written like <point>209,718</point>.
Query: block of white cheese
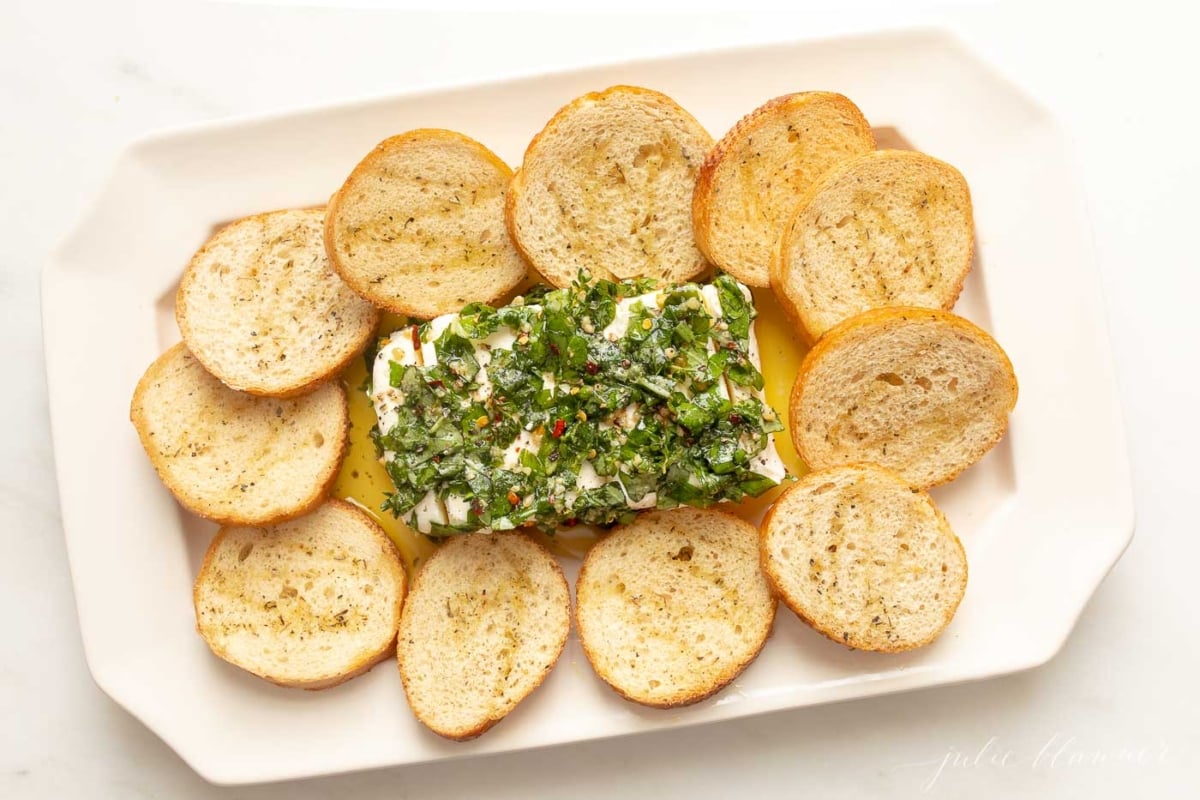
<point>578,405</point>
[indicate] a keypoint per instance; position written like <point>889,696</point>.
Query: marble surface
<point>1111,716</point>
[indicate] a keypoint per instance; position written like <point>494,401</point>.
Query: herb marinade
<point>646,413</point>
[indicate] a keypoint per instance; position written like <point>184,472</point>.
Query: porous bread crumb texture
<point>486,621</point>
<point>864,558</point>
<point>606,188</point>
<point>673,606</point>
<point>922,392</point>
<point>233,457</point>
<point>263,310</point>
<point>418,227</point>
<point>891,228</point>
<point>308,603</point>
<point>750,183</point>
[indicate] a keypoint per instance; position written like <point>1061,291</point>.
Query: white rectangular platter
<point>1043,517</point>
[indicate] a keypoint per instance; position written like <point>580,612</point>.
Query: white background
<point>1117,706</point>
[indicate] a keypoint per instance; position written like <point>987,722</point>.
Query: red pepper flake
<point>513,497</point>
<point>554,348</point>
<point>571,523</point>
<point>416,337</point>
<point>559,427</point>
<point>735,419</point>
<point>592,368</point>
<point>436,384</point>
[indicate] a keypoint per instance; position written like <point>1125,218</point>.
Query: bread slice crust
<point>218,451</point>
<point>469,586</point>
<point>281,590</point>
<point>704,556</point>
<point>749,185</point>
<point>862,604</point>
<point>262,309</point>
<point>418,226</point>
<point>889,228</point>
<point>588,194</point>
<point>830,414</point>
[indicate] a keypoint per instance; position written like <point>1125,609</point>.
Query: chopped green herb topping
<point>578,405</point>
